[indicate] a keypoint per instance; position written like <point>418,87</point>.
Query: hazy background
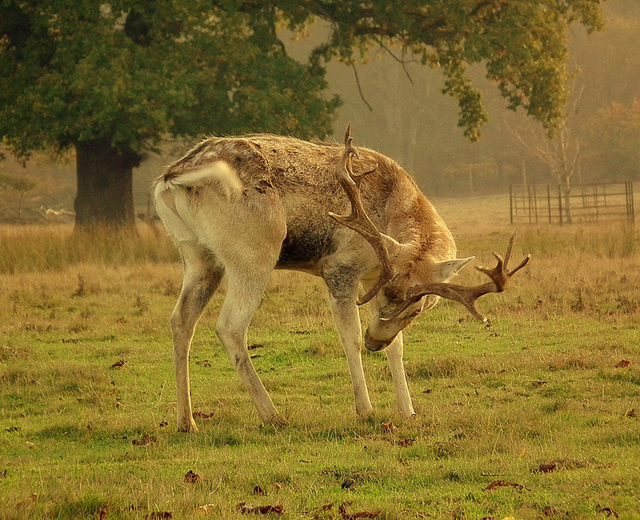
<point>399,110</point>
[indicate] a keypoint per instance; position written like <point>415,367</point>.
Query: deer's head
<point>408,283</point>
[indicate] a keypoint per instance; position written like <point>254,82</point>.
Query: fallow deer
<point>242,206</point>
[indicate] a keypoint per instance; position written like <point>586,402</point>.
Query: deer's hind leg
<point>243,297</point>
<point>202,275</point>
<point>248,240</point>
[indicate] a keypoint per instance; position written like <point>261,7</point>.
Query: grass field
<point>534,416</point>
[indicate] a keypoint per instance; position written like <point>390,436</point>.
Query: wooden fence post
<point>560,203</point>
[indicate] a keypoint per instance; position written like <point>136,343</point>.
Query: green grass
<point>542,385</point>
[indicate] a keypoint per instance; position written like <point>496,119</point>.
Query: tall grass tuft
<point>616,240</point>
<point>53,248</point>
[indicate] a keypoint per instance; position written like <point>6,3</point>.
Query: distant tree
<point>606,58</point>
<point>614,142</point>
<point>560,151</point>
<point>113,79</point>
<point>19,184</point>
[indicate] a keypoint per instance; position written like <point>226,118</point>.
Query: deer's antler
<point>358,220</point>
<point>467,296</point>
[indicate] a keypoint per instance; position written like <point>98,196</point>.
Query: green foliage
<point>615,135</point>
<point>135,72</point>
<point>132,73</point>
<point>522,45</point>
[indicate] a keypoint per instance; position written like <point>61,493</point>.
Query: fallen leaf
<point>320,513</point>
<point>610,513</point>
<point>192,478</point>
<point>404,442</point>
<point>631,413</point>
<point>30,445</point>
<point>259,491</point>
<point>551,511</point>
<point>502,483</point>
<point>203,415</point>
<point>159,515</point>
<point>623,364</point>
<point>548,467</point>
<point>205,510</point>
<point>260,510</point>
<point>349,483</point>
<point>255,346</point>
<point>145,441</point>
<point>103,512</point>
<point>360,514</point>
<point>567,464</point>
<point>33,499</point>
<point>389,427</point>
<point>119,364</point>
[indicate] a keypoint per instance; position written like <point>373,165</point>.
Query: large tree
<point>113,80</point>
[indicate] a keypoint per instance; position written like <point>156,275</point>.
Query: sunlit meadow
<point>532,416</point>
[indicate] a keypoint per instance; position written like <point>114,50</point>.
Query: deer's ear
<point>448,268</point>
<point>403,255</point>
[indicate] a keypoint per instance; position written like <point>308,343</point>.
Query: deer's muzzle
<point>376,345</point>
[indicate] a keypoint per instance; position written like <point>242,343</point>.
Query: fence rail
<point>536,203</point>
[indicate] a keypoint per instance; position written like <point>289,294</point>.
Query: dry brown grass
<point>29,248</point>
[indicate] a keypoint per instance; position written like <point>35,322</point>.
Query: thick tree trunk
<point>105,186</point>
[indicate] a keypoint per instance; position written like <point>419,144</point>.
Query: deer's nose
<point>375,345</point>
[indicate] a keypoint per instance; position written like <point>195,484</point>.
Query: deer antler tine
<point>471,307</point>
<point>507,254</point>
<point>467,296</point>
<point>349,149</point>
<point>521,264</point>
<point>358,220</point>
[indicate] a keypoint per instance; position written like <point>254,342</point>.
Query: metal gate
<point>536,203</point>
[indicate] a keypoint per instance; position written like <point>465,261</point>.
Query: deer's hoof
<point>187,426</point>
<point>277,420</point>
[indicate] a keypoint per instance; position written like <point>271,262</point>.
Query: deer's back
<point>303,175</point>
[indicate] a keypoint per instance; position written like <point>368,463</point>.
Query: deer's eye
<point>393,296</point>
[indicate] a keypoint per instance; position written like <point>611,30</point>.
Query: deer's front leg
<point>394,356</point>
<point>342,296</point>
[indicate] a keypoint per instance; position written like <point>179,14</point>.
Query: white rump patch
<point>173,199</point>
<point>218,172</point>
